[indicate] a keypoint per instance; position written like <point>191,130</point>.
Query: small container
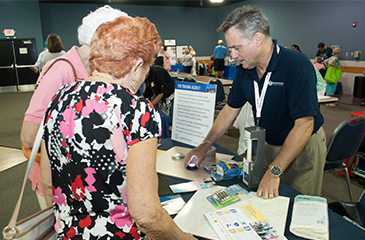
<point>177,156</point>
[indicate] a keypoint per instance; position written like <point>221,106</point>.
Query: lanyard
<point>259,100</point>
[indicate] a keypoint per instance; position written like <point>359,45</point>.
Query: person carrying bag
<point>333,74</point>
<point>39,225</point>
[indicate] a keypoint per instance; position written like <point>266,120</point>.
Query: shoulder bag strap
<point>61,59</point>
<point>36,145</point>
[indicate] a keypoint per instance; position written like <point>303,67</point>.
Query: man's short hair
<point>321,45</point>
<point>249,20</point>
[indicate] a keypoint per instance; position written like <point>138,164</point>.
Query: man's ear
<point>258,39</point>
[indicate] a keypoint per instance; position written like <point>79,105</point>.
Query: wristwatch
<point>275,170</point>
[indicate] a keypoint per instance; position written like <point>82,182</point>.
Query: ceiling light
<point>216,1</point>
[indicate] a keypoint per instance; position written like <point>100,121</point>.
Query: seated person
<point>318,63</point>
<point>98,161</point>
<point>160,86</point>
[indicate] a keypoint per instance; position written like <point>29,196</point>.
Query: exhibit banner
<point>193,112</point>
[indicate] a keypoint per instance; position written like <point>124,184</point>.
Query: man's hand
<point>200,152</point>
<point>269,186</point>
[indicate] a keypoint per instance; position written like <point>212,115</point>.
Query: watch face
<point>276,171</point>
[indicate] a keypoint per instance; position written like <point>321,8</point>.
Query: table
<point>199,79</point>
<point>326,100</point>
<point>339,228</point>
<point>174,68</point>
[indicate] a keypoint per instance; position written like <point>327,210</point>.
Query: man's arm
<point>224,120</point>
<point>293,145</point>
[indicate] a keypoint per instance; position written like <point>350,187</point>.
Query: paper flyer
<point>242,223</point>
<point>193,185</point>
<point>172,204</point>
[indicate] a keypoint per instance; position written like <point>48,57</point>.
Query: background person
<point>333,62</point>
<point>323,51</point>
<point>296,48</point>
<point>160,87</point>
<point>187,61</point>
<point>220,53</point>
<point>101,140</point>
<point>38,64</point>
<point>296,143</point>
<point>55,48</point>
<point>60,74</point>
<point>166,58</point>
<point>193,53</point>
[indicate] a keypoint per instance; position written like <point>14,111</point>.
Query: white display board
<point>180,51</point>
<point>193,113</point>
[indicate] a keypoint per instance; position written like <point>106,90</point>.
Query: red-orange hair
<point>116,45</point>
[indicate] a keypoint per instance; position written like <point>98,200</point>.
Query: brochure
<point>193,185</point>
<point>310,217</point>
<point>172,204</point>
<point>242,223</point>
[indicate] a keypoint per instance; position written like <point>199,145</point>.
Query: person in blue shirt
<point>220,53</point>
<point>280,84</point>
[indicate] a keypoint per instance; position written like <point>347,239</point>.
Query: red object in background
<point>354,24</point>
<point>342,172</point>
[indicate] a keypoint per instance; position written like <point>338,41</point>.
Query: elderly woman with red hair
<point>99,150</point>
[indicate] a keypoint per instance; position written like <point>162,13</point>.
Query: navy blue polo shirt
<point>291,93</point>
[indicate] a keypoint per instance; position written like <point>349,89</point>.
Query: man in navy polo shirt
<point>323,51</point>
<point>280,84</point>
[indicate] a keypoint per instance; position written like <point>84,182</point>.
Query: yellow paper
<point>254,214</point>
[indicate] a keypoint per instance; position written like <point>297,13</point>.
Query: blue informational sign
<point>196,87</point>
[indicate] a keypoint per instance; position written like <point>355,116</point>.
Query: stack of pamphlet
<point>310,217</point>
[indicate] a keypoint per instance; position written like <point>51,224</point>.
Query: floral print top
<point>88,129</point>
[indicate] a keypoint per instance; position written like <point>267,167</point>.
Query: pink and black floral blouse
<point>88,129</point>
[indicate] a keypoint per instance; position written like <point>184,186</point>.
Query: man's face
<point>242,50</point>
<point>321,49</point>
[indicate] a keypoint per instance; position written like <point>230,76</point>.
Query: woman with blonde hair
<point>333,62</point>
<point>100,141</point>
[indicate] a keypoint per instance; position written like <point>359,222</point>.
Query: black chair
<point>344,143</point>
<point>189,79</point>
<point>220,97</point>
<point>205,69</point>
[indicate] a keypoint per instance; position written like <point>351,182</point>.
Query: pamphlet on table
<point>310,217</point>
